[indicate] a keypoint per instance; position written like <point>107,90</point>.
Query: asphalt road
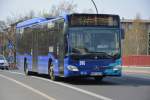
<point>14,85</point>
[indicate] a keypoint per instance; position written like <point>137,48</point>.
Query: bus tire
<point>26,70</point>
<point>98,78</point>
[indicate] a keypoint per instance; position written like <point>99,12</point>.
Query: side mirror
<point>122,34</point>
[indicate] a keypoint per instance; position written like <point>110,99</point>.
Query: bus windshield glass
<point>85,41</point>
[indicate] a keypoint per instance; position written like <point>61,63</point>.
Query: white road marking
<point>16,73</point>
<point>28,87</point>
<point>75,88</point>
<point>71,87</point>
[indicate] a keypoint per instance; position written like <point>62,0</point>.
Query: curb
<point>138,72</point>
<point>136,67</point>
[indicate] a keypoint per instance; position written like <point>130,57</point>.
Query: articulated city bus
<point>73,45</point>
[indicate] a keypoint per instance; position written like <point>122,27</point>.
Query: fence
<point>136,61</point>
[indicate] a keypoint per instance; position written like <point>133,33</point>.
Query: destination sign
<point>93,20</point>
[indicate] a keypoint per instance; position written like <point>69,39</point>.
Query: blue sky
<point>125,8</point>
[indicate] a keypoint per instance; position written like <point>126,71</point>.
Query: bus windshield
<point>85,41</point>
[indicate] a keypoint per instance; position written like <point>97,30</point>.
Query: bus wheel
<point>100,78</point>
<point>26,71</point>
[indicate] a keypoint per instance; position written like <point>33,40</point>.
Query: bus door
<point>61,55</point>
<point>60,46</point>
<point>35,51</point>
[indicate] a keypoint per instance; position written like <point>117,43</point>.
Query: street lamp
<point>95,6</point>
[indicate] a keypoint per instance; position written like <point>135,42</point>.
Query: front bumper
<point>4,65</point>
<point>88,73</point>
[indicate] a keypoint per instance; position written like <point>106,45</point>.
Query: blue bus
<point>73,45</point>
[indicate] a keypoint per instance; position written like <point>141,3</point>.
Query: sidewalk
<point>134,69</point>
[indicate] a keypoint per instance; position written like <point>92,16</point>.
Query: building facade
<point>128,25</point>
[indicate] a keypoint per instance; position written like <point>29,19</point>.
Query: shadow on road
<point>108,81</point>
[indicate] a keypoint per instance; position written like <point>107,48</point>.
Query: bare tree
<point>2,26</point>
<point>136,38</point>
<point>62,8</point>
<point>3,34</point>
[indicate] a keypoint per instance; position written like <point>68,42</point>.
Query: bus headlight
<point>72,68</point>
<point>118,67</point>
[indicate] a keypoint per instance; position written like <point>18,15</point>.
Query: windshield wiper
<point>116,56</point>
<point>80,50</point>
<point>101,54</point>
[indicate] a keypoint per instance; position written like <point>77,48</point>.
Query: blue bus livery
<point>73,45</point>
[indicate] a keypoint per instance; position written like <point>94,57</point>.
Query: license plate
<point>96,74</point>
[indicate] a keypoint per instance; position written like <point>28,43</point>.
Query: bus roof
<point>34,21</point>
<point>90,14</point>
<point>30,22</point>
